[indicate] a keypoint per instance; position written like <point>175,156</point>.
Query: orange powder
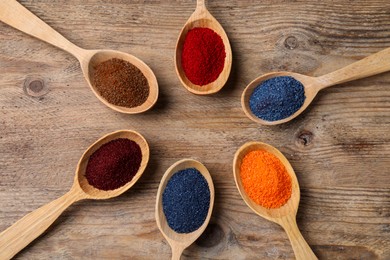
<point>265,179</point>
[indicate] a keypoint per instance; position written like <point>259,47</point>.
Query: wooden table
<point>339,148</point>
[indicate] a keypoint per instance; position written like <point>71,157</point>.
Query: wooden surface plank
<point>339,148</point>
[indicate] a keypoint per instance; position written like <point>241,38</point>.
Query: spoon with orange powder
<point>268,185</point>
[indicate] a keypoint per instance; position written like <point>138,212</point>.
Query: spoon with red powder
<point>123,155</point>
<point>268,185</point>
<point>17,16</point>
<point>203,56</point>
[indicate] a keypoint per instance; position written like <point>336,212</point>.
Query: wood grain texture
<point>339,148</point>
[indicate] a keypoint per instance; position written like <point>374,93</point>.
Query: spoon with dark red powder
<point>115,90</point>
<point>109,167</point>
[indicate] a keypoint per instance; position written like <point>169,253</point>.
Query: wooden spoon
<point>24,231</point>
<point>369,66</point>
<point>178,241</point>
<point>202,18</point>
<point>285,216</point>
<point>17,16</point>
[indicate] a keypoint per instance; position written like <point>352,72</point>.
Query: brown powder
<point>121,83</point>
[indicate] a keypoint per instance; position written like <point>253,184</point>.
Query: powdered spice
<point>277,98</point>
<point>203,56</point>
<point>114,164</point>
<point>186,200</point>
<point>265,179</point>
<point>121,83</point>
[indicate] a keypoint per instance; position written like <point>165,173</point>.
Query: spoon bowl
<point>180,241</point>
<point>291,206</point>
<point>17,16</point>
<point>369,66</point>
<point>25,230</point>
<point>309,84</point>
<point>91,192</point>
<point>201,17</point>
<point>285,216</point>
<point>90,59</point>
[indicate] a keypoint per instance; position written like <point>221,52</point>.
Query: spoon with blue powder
<point>185,200</point>
<point>279,97</point>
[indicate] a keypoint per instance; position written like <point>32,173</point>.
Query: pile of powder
<point>186,200</point>
<point>277,98</point>
<point>203,55</point>
<point>121,83</point>
<point>265,179</point>
<point>114,164</point>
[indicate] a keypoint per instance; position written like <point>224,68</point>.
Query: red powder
<point>203,56</point>
<point>114,164</point>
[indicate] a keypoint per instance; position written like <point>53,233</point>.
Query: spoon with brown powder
<point>17,16</point>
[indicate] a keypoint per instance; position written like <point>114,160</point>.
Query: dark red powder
<point>114,164</point>
<point>203,56</point>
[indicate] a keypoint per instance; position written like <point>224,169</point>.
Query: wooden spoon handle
<point>200,4</point>
<point>369,66</point>
<point>25,230</point>
<point>301,249</point>
<point>177,251</point>
<point>17,16</point>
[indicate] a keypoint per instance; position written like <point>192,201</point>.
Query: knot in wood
<point>291,42</point>
<point>304,137</point>
<point>34,87</point>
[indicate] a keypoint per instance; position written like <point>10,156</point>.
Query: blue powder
<point>277,98</point>
<point>186,200</point>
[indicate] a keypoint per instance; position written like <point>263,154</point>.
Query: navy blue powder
<point>186,200</point>
<point>277,98</point>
